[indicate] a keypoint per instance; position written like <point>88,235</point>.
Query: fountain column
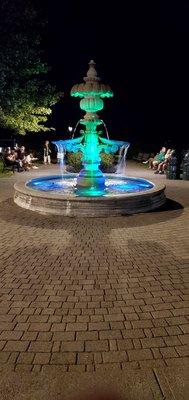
<point>91,92</point>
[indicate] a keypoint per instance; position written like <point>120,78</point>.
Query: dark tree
<point>26,94</point>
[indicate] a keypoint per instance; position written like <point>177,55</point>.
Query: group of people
<point>160,162</point>
<point>18,158</point>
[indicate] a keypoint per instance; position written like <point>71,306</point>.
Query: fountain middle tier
<point>90,179</point>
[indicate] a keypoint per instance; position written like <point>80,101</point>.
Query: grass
<point>6,173</point>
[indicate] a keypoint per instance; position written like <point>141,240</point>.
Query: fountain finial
<point>91,73</point>
<point>91,86</point>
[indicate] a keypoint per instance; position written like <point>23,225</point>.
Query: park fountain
<point>90,192</point>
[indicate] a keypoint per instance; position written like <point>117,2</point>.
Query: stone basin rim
<point>22,188</point>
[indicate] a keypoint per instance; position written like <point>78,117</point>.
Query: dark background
<point>141,50</point>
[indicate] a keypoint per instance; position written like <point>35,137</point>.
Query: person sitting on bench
<point>10,159</point>
<point>163,165</point>
<point>153,162</point>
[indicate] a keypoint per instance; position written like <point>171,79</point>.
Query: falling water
<point>106,129</point>
<point>73,134</point>
<point>121,165</point>
<point>61,157</point>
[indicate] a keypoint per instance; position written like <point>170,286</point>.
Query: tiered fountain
<point>90,192</point>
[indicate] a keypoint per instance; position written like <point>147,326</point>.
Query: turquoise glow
<point>114,185</point>
<point>90,179</point>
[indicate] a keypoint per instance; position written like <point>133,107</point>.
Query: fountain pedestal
<point>90,193</point>
<point>90,182</point>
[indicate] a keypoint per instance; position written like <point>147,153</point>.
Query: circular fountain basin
<point>57,195</point>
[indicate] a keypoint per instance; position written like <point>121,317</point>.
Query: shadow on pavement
<point>10,212</point>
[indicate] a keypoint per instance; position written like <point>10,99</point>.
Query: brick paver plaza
<point>94,294</point>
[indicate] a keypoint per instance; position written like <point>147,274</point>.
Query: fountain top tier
<point>91,92</point>
<point>91,143</point>
<point>92,85</point>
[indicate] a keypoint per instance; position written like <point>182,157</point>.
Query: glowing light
<point>68,185</point>
<point>90,180</point>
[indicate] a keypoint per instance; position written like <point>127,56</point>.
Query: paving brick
<point>172,341</point>
<point>114,317</point>
<point>54,369</point>
<point>63,336</point>
<point>85,358</point>
<point>139,354</point>
<point>156,353</point>
<point>40,347</point>
<point>97,358</point>
<point>45,336</point>
<point>42,358</point>
<point>76,368</point>
<point>149,364</point>
<point>38,318</point>
<point>28,336</point>
<point>108,367</point>
<point>120,325</point>
<point>23,367</point>
<point>15,345</point>
<point>176,320</point>
<point>159,331</point>
<point>177,362</point>
<point>2,344</point>
<point>6,326</point>
<point>116,334</point>
<point>184,328</point>
<point>4,357</point>
<point>184,338</point>
<point>142,324</point>
<point>183,351</point>
<point>133,333</point>
<point>77,326</point>
<point>160,322</point>
<point>39,327</point>
<point>98,326</point>
<point>56,347</point>
<point>11,335</point>
<point>137,343</point>
<point>173,330</point>
<point>72,346</point>
<point>168,352</point>
<point>63,358</point>
<point>161,314</point>
<point>152,342</point>
<point>96,345</point>
<point>92,335</point>
<point>114,356</point>
<point>125,344</point>
<point>25,358</point>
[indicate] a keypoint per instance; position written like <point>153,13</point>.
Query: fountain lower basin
<point>56,195</point>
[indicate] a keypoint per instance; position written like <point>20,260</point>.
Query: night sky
<point>141,50</point>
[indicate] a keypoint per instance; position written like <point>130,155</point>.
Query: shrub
<point>107,161</point>
<point>74,160</point>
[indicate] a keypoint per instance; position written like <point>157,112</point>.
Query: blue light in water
<point>114,186</point>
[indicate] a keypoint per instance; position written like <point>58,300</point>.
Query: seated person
<point>154,161</point>
<point>22,153</point>
<point>11,159</point>
<point>27,162</point>
<point>163,165</point>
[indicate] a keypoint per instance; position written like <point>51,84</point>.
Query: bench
<point>141,157</point>
<point>6,165</point>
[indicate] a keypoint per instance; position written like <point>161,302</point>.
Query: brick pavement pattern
<point>93,294</point>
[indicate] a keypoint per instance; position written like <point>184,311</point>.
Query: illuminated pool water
<point>66,185</point>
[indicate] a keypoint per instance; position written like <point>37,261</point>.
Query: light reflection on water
<point>115,185</point>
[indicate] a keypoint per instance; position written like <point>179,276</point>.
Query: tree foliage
<point>26,96</point>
